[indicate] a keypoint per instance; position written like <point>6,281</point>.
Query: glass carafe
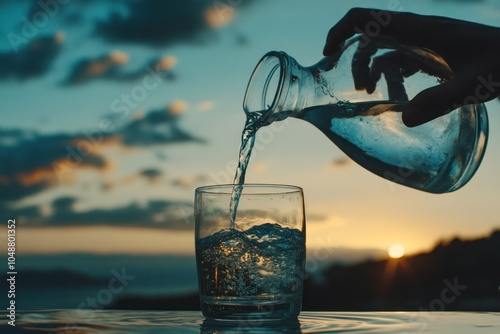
<point>439,156</point>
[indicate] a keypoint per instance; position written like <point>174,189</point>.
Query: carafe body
<point>439,156</point>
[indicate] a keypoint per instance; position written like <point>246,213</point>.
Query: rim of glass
<point>271,189</point>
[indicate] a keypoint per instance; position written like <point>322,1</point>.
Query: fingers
<point>395,86</point>
<point>372,23</point>
<point>344,29</point>
<point>407,28</point>
<point>465,88</point>
<point>476,80</point>
<point>433,103</point>
<point>361,67</point>
<point>394,65</point>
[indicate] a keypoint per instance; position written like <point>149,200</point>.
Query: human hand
<point>471,50</point>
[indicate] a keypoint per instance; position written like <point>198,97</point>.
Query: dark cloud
<point>112,66</point>
<point>156,213</point>
<point>70,13</point>
<point>241,40</point>
<point>32,162</point>
<point>316,216</point>
<point>29,59</point>
<point>159,23</point>
<point>39,8</point>
<point>190,182</point>
<point>340,162</point>
<point>63,205</point>
<point>73,18</point>
<point>15,190</point>
<point>148,22</point>
<point>157,127</point>
<point>153,175</point>
<point>155,22</point>
<point>105,66</point>
<point>31,212</point>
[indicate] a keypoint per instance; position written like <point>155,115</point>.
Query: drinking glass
<point>254,269</point>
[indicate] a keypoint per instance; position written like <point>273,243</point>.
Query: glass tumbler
<point>255,269</point>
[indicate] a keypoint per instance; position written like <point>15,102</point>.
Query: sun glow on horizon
<point>105,240</point>
<point>396,251</point>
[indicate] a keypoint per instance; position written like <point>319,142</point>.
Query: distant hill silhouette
<point>60,278</point>
<point>455,275</point>
<point>189,302</point>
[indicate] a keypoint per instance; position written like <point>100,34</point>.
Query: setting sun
<point>396,251</point>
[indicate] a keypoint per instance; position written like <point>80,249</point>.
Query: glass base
<point>250,309</point>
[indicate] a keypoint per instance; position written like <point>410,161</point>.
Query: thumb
<point>465,88</point>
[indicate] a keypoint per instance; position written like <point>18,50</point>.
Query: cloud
<point>112,66</point>
<point>156,127</point>
<point>205,105</point>
<point>155,22</point>
<point>316,216</point>
<point>153,175</point>
<point>63,205</point>
<point>15,190</point>
<point>217,17</point>
<point>176,215</point>
<point>31,161</point>
<point>159,23</point>
<point>155,213</point>
<point>102,66</point>
<point>29,59</point>
<point>340,162</point>
<point>177,107</point>
<point>189,182</point>
<point>32,213</point>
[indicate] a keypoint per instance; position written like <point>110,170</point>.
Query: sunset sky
<point>105,133</point>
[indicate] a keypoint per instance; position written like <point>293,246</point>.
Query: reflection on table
<point>90,322</point>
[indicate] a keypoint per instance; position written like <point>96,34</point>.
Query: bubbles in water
<point>264,260</point>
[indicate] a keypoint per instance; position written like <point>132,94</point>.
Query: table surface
<point>114,321</point>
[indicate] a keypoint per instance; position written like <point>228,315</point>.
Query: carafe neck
<point>276,89</point>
